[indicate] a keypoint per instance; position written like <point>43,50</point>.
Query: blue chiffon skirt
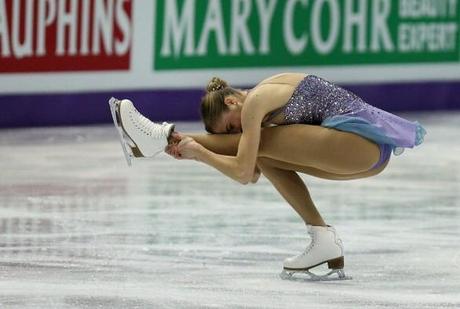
<point>380,127</point>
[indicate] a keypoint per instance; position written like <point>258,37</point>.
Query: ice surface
<point>79,229</point>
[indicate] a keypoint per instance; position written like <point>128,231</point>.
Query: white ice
<point>79,229</point>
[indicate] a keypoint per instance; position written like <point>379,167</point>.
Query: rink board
<point>59,65</point>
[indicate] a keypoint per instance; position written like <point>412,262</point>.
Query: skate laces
<point>147,126</point>
<point>312,242</point>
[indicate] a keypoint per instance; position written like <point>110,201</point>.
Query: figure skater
<point>288,123</point>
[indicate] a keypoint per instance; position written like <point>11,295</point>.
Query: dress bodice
<point>316,99</point>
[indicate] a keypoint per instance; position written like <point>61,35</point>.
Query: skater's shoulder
<point>267,93</point>
<point>274,89</point>
<point>289,78</point>
<point>265,99</point>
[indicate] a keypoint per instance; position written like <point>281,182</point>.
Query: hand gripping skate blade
<point>114,109</point>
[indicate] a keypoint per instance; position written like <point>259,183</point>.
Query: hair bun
<point>216,84</point>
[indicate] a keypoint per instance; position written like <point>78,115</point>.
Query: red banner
<point>65,35</point>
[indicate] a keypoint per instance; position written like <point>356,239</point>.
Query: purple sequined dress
<point>317,101</point>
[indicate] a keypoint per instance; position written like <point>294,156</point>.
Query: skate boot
<point>325,247</point>
<point>139,136</point>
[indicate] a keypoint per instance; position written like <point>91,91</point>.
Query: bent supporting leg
<point>313,150</point>
<point>293,190</point>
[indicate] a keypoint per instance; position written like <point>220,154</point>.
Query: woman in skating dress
<point>288,123</point>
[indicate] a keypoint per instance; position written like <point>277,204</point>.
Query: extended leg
<point>225,144</point>
<point>307,148</point>
<point>324,149</point>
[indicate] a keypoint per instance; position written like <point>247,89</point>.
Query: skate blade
<point>333,275</point>
<point>124,138</point>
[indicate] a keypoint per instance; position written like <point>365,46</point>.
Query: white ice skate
<point>139,136</point>
<point>325,247</point>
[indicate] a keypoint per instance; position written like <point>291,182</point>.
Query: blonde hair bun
<point>216,84</point>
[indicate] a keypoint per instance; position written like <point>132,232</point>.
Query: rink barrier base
<point>55,109</point>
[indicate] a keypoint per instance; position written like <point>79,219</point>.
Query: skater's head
<point>221,107</point>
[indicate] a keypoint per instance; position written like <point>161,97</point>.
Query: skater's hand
<point>188,148</point>
<point>173,151</point>
<point>173,142</point>
<point>175,138</point>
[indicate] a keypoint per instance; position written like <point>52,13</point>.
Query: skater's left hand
<point>173,151</point>
<point>173,142</point>
<point>188,148</point>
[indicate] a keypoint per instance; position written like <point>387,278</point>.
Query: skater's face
<point>230,121</point>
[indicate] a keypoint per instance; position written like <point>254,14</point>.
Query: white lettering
<point>25,48</point>
<point>103,24</point>
<point>380,12</point>
<point>240,27</point>
<point>122,46</point>
<point>427,8</point>
<point>44,20</point>
<point>84,34</point>
<point>65,20</point>
<point>325,46</point>
<point>76,26</point>
<point>178,28</point>
<point>432,37</point>
<point>358,20</point>
<point>293,44</point>
<point>265,19</point>
<point>213,22</point>
<point>4,31</point>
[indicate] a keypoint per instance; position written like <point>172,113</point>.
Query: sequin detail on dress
<point>317,101</point>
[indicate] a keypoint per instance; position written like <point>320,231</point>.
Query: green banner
<point>200,34</point>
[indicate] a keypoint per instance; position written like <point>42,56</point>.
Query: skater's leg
<point>288,183</point>
<point>293,189</point>
<point>224,144</point>
<point>323,174</point>
<point>324,149</point>
<point>281,173</point>
<point>314,150</point>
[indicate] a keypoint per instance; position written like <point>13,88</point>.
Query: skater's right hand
<point>175,138</point>
<point>172,149</point>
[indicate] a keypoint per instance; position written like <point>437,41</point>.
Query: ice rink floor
<point>79,229</point>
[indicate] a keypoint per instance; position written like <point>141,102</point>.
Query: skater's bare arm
<point>224,144</point>
<point>241,167</point>
<point>172,148</point>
